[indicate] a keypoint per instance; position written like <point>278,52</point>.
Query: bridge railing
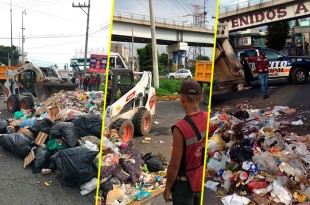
<point>241,5</point>
<point>164,21</point>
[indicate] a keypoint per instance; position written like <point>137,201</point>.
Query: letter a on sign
<point>301,7</point>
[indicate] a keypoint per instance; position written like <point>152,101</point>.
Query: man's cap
<point>190,87</point>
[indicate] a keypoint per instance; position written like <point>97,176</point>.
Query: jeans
<point>182,194</point>
<point>263,78</point>
<point>93,88</point>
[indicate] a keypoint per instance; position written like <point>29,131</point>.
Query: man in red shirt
<point>185,170</point>
<point>261,65</point>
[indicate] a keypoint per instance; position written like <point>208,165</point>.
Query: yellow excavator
<point>29,83</point>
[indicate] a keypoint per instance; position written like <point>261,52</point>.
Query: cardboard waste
<point>255,161</point>
<point>128,176</point>
<point>62,133</point>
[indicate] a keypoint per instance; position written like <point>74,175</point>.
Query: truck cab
<point>294,68</point>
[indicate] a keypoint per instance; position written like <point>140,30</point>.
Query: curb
<point>167,98</point>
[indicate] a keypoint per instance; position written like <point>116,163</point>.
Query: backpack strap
<point>193,126</point>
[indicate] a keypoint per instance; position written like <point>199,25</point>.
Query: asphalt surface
<point>20,186</point>
<point>282,93</point>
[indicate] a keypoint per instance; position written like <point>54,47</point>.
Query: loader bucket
<point>45,90</point>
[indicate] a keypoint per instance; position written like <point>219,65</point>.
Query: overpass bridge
<point>255,13</point>
<point>168,32</point>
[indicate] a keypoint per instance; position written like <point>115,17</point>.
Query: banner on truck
<point>98,63</point>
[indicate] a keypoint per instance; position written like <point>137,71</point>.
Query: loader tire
<point>1,88</point>
<point>142,122</point>
<point>27,103</point>
<point>13,103</point>
<point>205,95</point>
<point>125,129</point>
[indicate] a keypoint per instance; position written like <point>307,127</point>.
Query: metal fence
<point>168,22</point>
<point>242,5</point>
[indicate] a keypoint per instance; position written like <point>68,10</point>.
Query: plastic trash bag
<point>142,195</point>
<point>265,162</point>
<point>114,170</point>
<point>133,169</point>
<point>76,165</point>
<point>18,143</point>
<point>241,154</point>
<point>3,125</point>
<point>88,125</point>
<point>153,163</point>
<point>108,185</point>
<point>88,186</point>
<point>65,130</point>
<point>41,161</point>
<point>41,126</point>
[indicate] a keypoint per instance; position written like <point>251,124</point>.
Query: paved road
<point>282,93</point>
<point>20,186</point>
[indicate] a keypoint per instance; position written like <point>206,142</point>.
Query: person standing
<point>85,83</point>
<point>98,81</point>
<point>93,84</point>
<point>185,170</point>
<point>261,65</point>
<point>247,70</point>
<point>81,81</point>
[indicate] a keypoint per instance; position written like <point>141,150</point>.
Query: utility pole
<point>11,61</point>
<point>87,27</point>
<point>23,37</point>
<point>154,48</point>
<point>132,57</point>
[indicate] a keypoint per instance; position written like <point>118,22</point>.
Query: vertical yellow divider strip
<point>209,105</point>
<point>104,101</point>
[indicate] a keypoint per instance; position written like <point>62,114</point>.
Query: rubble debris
<point>255,160</point>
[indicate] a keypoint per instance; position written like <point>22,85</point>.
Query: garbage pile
<point>126,175</point>
<point>255,161</point>
<point>61,134</point>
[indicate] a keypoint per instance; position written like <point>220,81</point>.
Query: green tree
<point>276,35</point>
<point>4,51</point>
<point>163,61</point>
<point>145,58</point>
<point>205,58</point>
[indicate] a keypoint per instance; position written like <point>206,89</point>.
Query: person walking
<point>185,170</point>
<point>93,83</point>
<point>247,70</point>
<point>261,65</point>
<point>85,83</point>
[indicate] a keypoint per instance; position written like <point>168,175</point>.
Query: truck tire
<point>188,77</point>
<point>142,122</point>
<point>13,103</point>
<point>1,88</point>
<point>299,76</point>
<point>27,103</point>
<point>172,77</point>
<point>205,95</point>
<point>125,129</point>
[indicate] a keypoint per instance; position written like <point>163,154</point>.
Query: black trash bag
<point>138,159</point>
<point>241,154</point>
<point>41,126</point>
<point>153,163</point>
<point>3,125</point>
<point>76,165</point>
<point>116,171</point>
<point>42,160</point>
<point>18,143</point>
<point>108,186</point>
<point>88,125</point>
<point>129,149</point>
<point>133,169</point>
<point>241,114</point>
<point>65,130</point>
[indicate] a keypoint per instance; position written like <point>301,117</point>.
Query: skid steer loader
<point>29,83</point>
<point>131,106</point>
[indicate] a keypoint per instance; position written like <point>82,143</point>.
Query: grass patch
<point>168,87</point>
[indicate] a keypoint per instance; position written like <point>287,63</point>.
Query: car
<point>295,68</point>
<point>181,73</point>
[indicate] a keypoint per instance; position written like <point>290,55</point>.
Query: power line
<point>142,4</point>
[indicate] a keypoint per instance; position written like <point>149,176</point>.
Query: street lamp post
<point>23,37</point>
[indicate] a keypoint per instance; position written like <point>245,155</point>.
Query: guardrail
<point>242,5</point>
<point>132,16</point>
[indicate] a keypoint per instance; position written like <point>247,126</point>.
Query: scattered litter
<point>156,123</point>
<point>211,185</point>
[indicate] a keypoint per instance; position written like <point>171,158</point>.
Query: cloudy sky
<point>54,30</point>
<point>180,10</point>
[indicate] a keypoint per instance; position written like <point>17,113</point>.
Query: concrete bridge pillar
<point>177,53</point>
